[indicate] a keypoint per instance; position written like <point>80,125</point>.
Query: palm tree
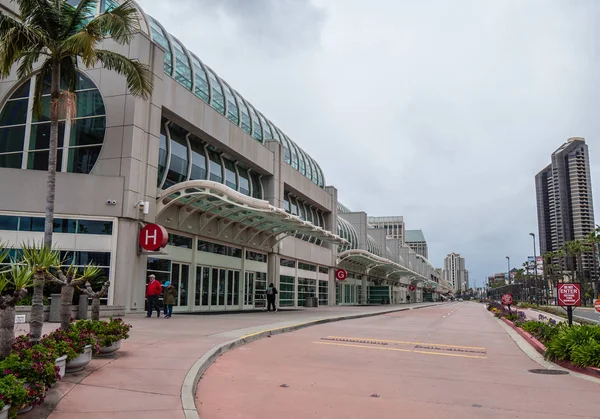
<point>18,279</point>
<point>55,37</point>
<point>593,240</point>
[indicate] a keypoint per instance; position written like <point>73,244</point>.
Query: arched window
<point>256,128</point>
<point>25,140</point>
<point>232,107</point>
<point>244,181</point>
<point>201,89</point>
<point>183,70</point>
<point>158,35</point>
<point>178,165</point>
<point>198,160</point>
<point>217,100</point>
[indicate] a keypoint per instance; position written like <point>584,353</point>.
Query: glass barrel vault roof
<point>189,71</point>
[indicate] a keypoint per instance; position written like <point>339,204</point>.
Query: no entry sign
<point>153,237</point>
<point>569,295</point>
<point>341,274</point>
<point>507,299</point>
<point>597,305</point>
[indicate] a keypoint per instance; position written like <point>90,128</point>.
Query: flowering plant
<point>34,365</point>
<point>107,332</point>
<point>76,340</point>
<point>13,393</point>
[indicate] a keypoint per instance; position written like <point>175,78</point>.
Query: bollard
<point>83,307</point>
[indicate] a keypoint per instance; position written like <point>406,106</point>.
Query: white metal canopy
<point>217,201</point>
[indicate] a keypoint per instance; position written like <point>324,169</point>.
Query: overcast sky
<point>440,111</point>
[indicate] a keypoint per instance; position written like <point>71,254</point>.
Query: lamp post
<point>537,295</point>
<point>508,272</point>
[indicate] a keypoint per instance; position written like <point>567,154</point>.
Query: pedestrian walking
<point>169,299</point>
<point>153,290</point>
<point>271,294</point>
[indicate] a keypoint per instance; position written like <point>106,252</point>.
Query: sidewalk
<point>146,378</point>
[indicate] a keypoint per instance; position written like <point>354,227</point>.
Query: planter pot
<point>4,412</point>
<point>81,361</point>
<point>109,350</point>
<point>62,364</point>
<point>25,409</point>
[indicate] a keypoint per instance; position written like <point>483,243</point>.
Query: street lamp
<point>535,269</point>
<point>508,259</point>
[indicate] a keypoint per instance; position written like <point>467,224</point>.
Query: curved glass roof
<point>346,231</point>
<point>194,75</point>
<point>372,246</point>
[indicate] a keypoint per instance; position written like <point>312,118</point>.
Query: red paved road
<point>480,373</point>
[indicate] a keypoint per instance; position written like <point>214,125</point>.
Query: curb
<point>190,383</point>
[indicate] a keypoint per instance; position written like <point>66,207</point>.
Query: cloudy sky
<point>440,111</point>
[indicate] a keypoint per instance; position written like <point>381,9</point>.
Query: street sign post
<point>507,300</point>
<point>569,296</point>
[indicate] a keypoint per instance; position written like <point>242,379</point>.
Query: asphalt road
<point>587,313</point>
<point>450,361</point>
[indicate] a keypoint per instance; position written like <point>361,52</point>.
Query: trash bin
<point>54,308</point>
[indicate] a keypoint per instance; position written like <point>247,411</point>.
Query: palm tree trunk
<point>66,300</point>
<point>7,330</point>
<point>36,321</point>
<point>37,299</point>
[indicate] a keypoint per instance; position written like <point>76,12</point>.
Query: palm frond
<point>6,23</point>
<point>138,75</point>
<point>120,23</point>
<point>68,72</point>
<point>28,59</point>
<point>16,41</point>
<point>21,276</point>
<point>77,17</point>
<point>42,14</point>
<point>82,44</point>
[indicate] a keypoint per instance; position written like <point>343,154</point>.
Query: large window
<point>25,139</point>
<point>61,225</point>
<point>256,128</point>
<point>232,108</point>
<point>244,181</point>
<point>183,70</point>
<point>178,167</point>
<point>306,288</point>
<point>198,160</point>
<point>230,175</point>
<point>287,291</point>
<point>245,118</point>
<point>323,293</point>
<point>163,154</point>
<point>217,99</point>
<point>256,187</point>
<point>158,36</point>
<point>216,171</point>
<point>219,249</point>
<point>201,89</point>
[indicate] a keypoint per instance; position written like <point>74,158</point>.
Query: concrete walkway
<point>146,378</point>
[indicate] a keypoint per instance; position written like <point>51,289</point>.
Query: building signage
<point>153,237</point>
<point>569,295</point>
<point>341,274</point>
<point>412,287</point>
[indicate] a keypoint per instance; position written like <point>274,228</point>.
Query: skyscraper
<point>415,239</point>
<point>454,272</point>
<point>564,197</point>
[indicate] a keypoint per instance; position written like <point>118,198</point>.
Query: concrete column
<point>274,187</point>
<point>130,269</point>
<point>364,289</point>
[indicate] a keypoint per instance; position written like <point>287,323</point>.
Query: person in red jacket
<point>153,290</point>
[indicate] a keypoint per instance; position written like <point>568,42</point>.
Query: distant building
<point>466,280</point>
<point>394,226</point>
<point>416,241</point>
<point>564,198</point>
<point>455,272</point>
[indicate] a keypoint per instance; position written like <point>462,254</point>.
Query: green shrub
<point>26,301</point>
<point>568,339</point>
<point>587,355</point>
<point>106,332</point>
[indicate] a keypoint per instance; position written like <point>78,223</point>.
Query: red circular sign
<point>412,287</point>
<point>507,299</point>
<point>597,305</point>
<point>153,237</point>
<point>341,274</point>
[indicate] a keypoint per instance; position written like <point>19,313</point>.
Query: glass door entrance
<point>180,276</point>
<point>217,288</point>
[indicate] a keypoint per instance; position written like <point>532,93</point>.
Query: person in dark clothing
<point>153,290</point>
<point>271,293</point>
